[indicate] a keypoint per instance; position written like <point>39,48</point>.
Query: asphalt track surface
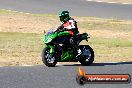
<point>63,76</point>
<point>76,7</point>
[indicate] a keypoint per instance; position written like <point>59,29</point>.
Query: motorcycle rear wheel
<point>87,59</point>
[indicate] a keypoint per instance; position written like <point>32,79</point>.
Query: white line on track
<point>28,65</point>
<point>62,64</point>
<point>27,13</point>
<point>107,2</point>
<point>15,11</point>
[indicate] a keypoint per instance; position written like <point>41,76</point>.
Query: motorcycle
<point>58,50</point>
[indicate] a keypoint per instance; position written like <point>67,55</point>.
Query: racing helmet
<point>64,16</point>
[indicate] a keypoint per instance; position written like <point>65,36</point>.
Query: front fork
<point>51,49</point>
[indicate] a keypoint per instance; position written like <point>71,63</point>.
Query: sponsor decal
<point>83,78</point>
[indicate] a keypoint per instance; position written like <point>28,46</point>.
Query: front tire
<point>87,56</point>
<point>46,56</point>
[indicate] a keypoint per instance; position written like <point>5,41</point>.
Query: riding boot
<point>74,44</point>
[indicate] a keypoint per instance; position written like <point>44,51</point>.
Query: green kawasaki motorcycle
<point>58,50</point>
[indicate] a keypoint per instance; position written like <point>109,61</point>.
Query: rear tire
<point>86,60</point>
<point>45,57</point>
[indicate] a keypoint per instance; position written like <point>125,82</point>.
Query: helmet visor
<point>62,18</point>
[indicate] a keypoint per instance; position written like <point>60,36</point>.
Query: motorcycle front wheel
<point>48,59</point>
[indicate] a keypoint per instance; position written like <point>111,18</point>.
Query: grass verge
<point>20,48</point>
<point>21,37</point>
<point>25,49</point>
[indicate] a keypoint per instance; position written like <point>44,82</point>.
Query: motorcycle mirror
<point>44,31</point>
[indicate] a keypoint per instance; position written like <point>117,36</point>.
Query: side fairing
<point>63,33</point>
<point>49,38</point>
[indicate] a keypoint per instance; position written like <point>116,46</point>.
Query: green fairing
<point>49,38</point>
<point>63,33</point>
<point>66,55</point>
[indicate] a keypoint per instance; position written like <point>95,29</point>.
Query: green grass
<point>28,47</point>
<point>21,42</point>
<point>2,11</point>
<point>32,42</point>
<point>105,25</point>
<point>111,42</point>
<point>20,48</point>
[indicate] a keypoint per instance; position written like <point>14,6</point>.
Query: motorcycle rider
<point>70,25</point>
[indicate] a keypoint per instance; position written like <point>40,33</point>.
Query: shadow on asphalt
<point>101,64</point>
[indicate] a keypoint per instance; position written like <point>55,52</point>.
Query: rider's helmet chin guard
<point>64,16</point>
